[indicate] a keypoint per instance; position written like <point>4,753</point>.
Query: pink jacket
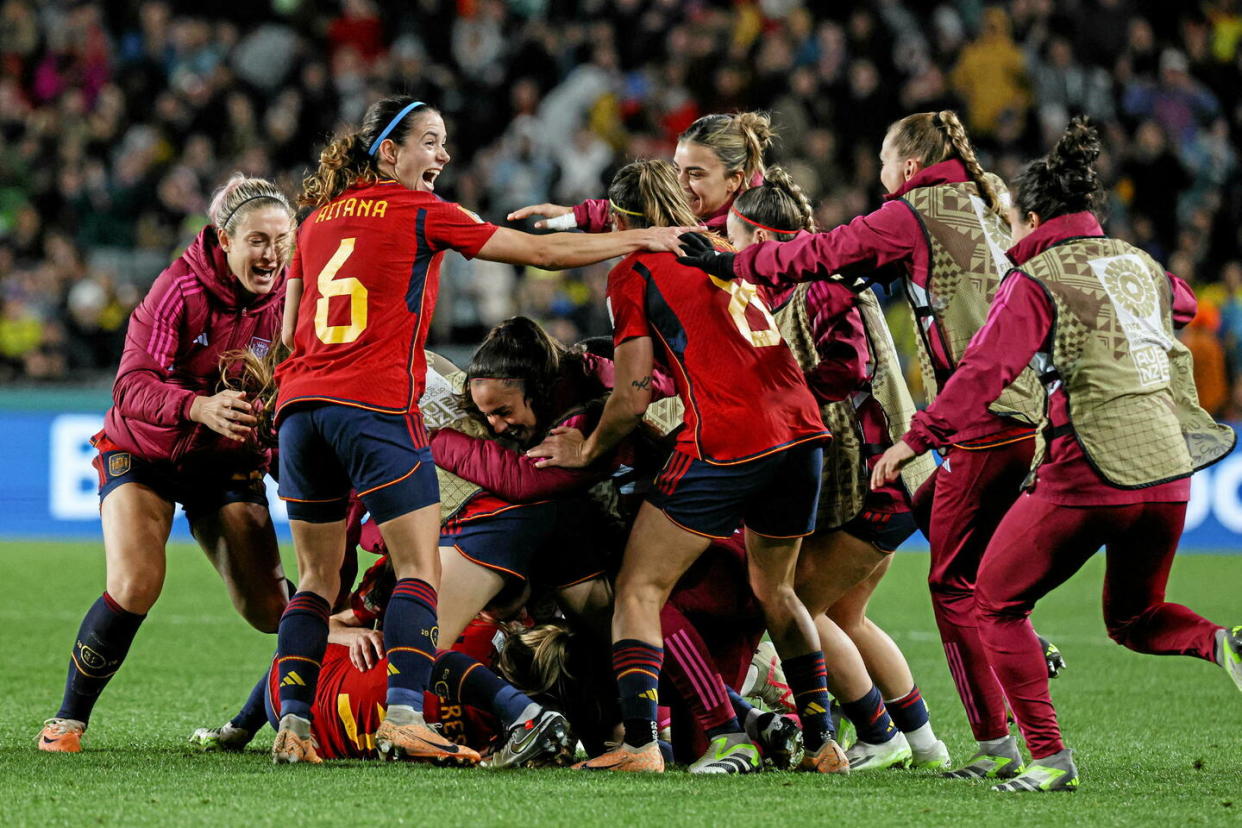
<point>1019,324</point>
<point>195,311</point>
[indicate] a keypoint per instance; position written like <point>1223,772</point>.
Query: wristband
<point>565,222</point>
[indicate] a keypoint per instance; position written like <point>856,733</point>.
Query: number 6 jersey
<point>369,262</point>
<point>743,393</point>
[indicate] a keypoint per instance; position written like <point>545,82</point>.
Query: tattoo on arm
<point>642,384</point>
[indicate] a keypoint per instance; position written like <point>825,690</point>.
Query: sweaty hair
<point>739,140</point>
<point>537,660</point>
<point>778,204</point>
<point>932,137</point>
<point>648,195</point>
<point>1065,180</point>
<point>257,380</point>
<point>241,194</point>
<point>347,161</point>
<point>521,353</point>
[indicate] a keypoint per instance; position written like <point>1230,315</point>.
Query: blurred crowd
<point>118,119</point>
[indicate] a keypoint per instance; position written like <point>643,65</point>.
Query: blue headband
<point>393,125</point>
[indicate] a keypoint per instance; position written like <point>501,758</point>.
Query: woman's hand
<point>226,413</point>
<point>701,253</point>
<point>366,646</point>
<point>564,447</point>
<point>546,209</point>
<point>891,461</point>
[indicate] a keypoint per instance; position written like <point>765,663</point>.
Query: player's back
<point>369,261</point>
<point>743,392</point>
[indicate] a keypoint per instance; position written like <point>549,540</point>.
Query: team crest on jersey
<point>471,213</point>
<point>260,347</point>
<point>119,463</point>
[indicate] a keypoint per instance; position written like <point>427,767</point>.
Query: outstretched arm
<point>556,251</point>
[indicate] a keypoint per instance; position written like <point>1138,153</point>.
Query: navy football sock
<point>253,714</point>
<point>410,634</point>
<point>870,718</point>
<point>300,641</point>
<point>101,645</point>
<point>807,676</point>
<point>741,707</point>
<point>909,712</point>
<point>469,682</point>
<point>637,667</point>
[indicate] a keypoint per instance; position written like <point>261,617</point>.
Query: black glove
<point>701,254</point>
<point>1052,656</point>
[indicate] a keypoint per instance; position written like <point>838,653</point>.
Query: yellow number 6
<point>349,286</point>
<point>741,296</point>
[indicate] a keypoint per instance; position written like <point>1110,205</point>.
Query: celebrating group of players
<point>741,458</point>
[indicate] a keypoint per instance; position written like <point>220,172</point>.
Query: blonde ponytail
<point>739,140</point>
<point>932,137</point>
<point>964,150</point>
<point>647,193</point>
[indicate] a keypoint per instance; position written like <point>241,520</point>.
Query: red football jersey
<point>370,268</point>
<point>743,393</point>
<point>349,705</point>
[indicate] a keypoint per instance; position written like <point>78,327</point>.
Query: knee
<point>778,600</point>
<point>263,613</point>
<point>1122,630</point>
<point>991,607</point>
<point>136,592</point>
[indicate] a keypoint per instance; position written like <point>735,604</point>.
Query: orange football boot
<point>645,759</point>
<point>294,743</point>
<point>62,736</point>
<point>418,742</point>
<point>828,759</point>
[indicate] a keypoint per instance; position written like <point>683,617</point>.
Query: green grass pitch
<point>1159,740</point>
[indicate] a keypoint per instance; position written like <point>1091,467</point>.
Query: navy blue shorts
<point>327,449</point>
<point>526,543</point>
<point>884,530</point>
<point>774,495</point>
<point>202,491</point>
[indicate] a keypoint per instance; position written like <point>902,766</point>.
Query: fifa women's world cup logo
<point>1128,283</point>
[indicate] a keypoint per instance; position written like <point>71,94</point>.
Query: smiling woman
<point>174,436</point>
<point>363,286</point>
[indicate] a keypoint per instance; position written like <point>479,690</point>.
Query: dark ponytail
<point>347,160</point>
<point>778,205</point>
<point>1065,180</point>
<point>521,353</point>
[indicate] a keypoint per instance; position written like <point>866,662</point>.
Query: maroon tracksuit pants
<point>972,492</point>
<point>1036,548</point>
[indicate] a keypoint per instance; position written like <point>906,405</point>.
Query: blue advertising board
<point>48,486</point>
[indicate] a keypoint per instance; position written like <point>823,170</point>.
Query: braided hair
<point>777,205</point>
<point>932,137</point>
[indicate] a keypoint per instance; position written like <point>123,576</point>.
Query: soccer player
<point>718,158</point>
<point>750,450</point>
<point>943,224</point>
<point>1124,435</point>
<point>363,286</point>
<point>173,436</point>
<point>843,345</point>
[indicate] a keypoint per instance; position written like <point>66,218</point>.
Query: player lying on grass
<point>347,404</point>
